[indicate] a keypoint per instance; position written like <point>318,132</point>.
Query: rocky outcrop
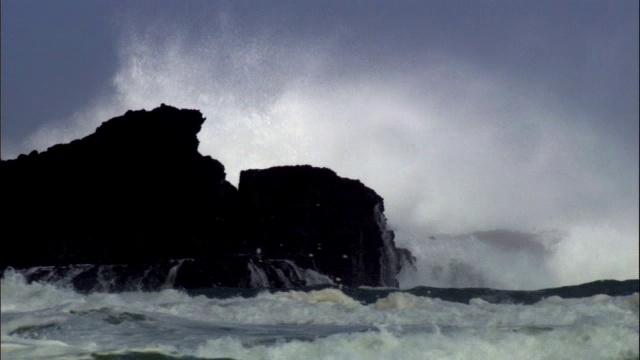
<point>321,221</point>
<point>136,190</point>
<point>136,196</point>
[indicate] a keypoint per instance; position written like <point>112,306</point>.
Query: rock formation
<point>320,221</point>
<point>136,190</point>
<point>137,195</point>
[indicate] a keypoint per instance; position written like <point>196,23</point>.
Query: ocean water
<point>53,321</point>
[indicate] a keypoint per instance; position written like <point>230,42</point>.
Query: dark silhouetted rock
<point>137,203</point>
<point>136,190</point>
<point>320,221</point>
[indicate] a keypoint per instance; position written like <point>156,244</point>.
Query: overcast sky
<point>464,115</point>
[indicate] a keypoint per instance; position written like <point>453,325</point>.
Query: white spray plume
<point>453,149</point>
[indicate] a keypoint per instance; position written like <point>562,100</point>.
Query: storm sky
<point>516,121</point>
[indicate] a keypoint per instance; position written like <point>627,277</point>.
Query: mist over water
<point>457,151</point>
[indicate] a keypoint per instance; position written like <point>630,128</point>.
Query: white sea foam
<point>41,321</point>
<point>583,343</point>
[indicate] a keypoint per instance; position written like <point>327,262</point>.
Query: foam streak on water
<point>44,321</point>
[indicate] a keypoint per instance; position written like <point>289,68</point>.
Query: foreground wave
<point>48,321</point>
